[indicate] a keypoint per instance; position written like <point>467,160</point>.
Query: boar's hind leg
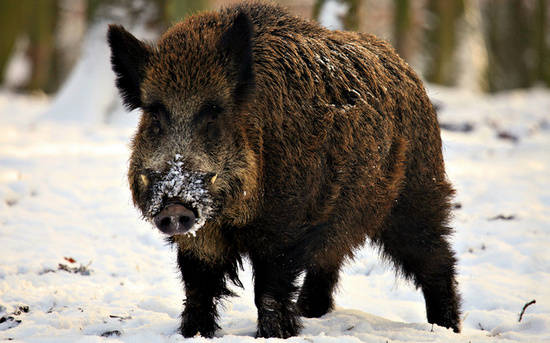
<point>316,294</point>
<point>274,288</point>
<point>414,238</point>
<point>205,284</point>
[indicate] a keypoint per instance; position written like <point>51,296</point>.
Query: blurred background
<point>482,45</point>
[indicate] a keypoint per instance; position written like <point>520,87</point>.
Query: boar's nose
<point>174,218</point>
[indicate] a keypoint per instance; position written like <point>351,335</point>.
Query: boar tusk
<point>213,179</point>
<point>144,179</point>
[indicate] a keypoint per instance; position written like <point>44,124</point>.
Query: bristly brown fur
<point>324,139</point>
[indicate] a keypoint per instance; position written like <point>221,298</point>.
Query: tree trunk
<point>12,25</point>
<point>441,40</point>
<point>42,45</point>
<point>402,27</point>
<point>542,42</point>
<point>508,40</point>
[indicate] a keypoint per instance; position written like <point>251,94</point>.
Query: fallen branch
<point>525,307</point>
<point>503,217</point>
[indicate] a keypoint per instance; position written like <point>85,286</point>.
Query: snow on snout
<point>185,185</point>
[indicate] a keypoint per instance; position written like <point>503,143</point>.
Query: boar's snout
<point>174,219</point>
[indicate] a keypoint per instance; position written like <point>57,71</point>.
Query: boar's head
<point>193,161</point>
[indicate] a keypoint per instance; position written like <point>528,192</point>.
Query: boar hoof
<point>448,321</point>
<point>278,323</point>
<point>197,323</point>
<point>445,315</point>
<point>314,309</point>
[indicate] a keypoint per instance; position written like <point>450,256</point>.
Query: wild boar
<point>268,136</point>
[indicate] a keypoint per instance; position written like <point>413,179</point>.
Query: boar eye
<point>212,130</point>
<point>155,127</point>
<point>157,113</point>
<point>207,119</point>
<point>209,112</point>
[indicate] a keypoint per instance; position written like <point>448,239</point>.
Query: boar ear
<point>237,43</point>
<point>128,58</point>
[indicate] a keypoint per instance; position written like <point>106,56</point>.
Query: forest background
<point>485,45</point>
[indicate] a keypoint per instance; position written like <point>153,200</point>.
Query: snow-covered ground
<point>77,264</point>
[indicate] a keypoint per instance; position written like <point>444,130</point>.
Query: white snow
<point>64,197</point>
<point>88,90</point>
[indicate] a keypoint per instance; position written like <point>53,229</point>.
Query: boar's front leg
<point>274,289</point>
<point>205,285</point>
